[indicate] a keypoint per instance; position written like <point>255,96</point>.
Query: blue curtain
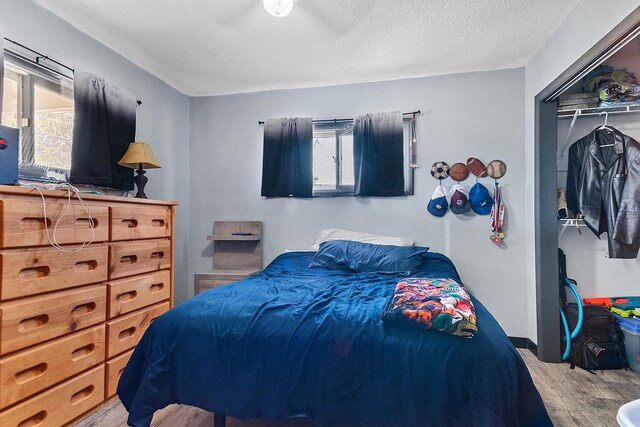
<point>103,126</point>
<point>378,155</point>
<point>287,160</point>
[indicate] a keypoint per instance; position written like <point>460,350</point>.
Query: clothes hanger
<point>606,127</point>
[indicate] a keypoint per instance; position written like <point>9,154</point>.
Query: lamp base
<point>140,181</point>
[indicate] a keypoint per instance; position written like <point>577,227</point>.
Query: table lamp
<point>139,156</point>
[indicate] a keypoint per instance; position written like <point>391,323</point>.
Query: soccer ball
<point>440,170</point>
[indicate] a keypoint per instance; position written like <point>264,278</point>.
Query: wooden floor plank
<point>574,398</point>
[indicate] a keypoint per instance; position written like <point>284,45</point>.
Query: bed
<point>298,341</point>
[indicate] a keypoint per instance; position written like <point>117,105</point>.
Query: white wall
<point>477,114</point>
<point>587,24</point>
<point>468,114</point>
<point>162,119</point>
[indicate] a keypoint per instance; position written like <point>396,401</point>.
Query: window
<point>332,159</point>
<point>333,173</point>
<point>40,104</point>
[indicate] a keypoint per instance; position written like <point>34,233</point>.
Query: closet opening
<point>565,112</point>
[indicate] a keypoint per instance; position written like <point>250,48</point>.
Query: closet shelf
<point>570,222</point>
<point>567,114</point>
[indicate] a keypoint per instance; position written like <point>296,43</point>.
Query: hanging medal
<point>496,170</point>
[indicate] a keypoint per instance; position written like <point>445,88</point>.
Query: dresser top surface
<point>10,190</point>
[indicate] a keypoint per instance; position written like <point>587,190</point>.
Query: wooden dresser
<point>69,320</point>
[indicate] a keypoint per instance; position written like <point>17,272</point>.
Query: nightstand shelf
<point>226,237</point>
<point>237,254</point>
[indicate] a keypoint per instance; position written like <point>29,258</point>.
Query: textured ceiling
<point>212,47</point>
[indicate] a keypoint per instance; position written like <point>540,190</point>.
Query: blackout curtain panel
<point>287,160</point>
<point>104,124</point>
<point>378,155</point>
<point>1,74</point>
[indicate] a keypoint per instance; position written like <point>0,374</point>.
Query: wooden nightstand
<point>237,254</point>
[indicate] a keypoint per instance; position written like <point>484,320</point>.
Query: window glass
<point>346,153</point>
<point>40,104</point>
<point>10,103</point>
<point>333,169</point>
<point>324,161</point>
<point>53,128</point>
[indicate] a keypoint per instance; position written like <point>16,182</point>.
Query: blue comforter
<point>309,341</point>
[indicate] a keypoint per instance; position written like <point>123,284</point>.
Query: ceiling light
<point>279,8</point>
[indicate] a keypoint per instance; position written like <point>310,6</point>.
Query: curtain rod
<point>417,112</point>
<point>40,56</point>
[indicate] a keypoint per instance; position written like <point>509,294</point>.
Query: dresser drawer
<point>30,371</point>
<point>115,367</point>
<point>32,320</point>
<point>23,222</point>
<point>132,293</point>
<point>140,222</point>
<point>131,258</point>
<point>125,331</point>
<point>27,272</point>
<point>59,405</point>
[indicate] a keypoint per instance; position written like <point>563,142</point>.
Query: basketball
<point>459,172</point>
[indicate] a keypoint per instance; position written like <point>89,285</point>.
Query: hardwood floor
<point>574,398</point>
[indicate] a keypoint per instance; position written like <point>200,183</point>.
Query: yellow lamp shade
<point>139,153</point>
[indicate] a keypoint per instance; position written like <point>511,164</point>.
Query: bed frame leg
<point>219,420</point>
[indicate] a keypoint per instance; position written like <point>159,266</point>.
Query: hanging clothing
<point>603,185</point>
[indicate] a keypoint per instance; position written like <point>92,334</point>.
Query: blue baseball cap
<point>480,199</point>
<point>438,204</point>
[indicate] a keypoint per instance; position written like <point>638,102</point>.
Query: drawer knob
<point>130,223</point>
<point>34,420</point>
<point>129,259</point>
<point>34,223</point>
<point>84,266</point>
<point>86,222</point>
<point>32,373</point>
<point>31,323</point>
<point>127,296</point>
<point>82,395</point>
<point>82,352</point>
<point>34,272</point>
<point>157,255</point>
<point>129,332</point>
<point>82,309</point>
<point>156,287</point>
<point>157,222</point>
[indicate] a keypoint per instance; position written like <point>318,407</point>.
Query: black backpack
<point>600,343</point>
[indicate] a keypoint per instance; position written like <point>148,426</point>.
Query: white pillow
<point>338,234</point>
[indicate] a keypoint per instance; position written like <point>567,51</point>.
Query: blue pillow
<point>367,257</point>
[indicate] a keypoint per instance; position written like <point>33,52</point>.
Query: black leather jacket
<point>603,185</point>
